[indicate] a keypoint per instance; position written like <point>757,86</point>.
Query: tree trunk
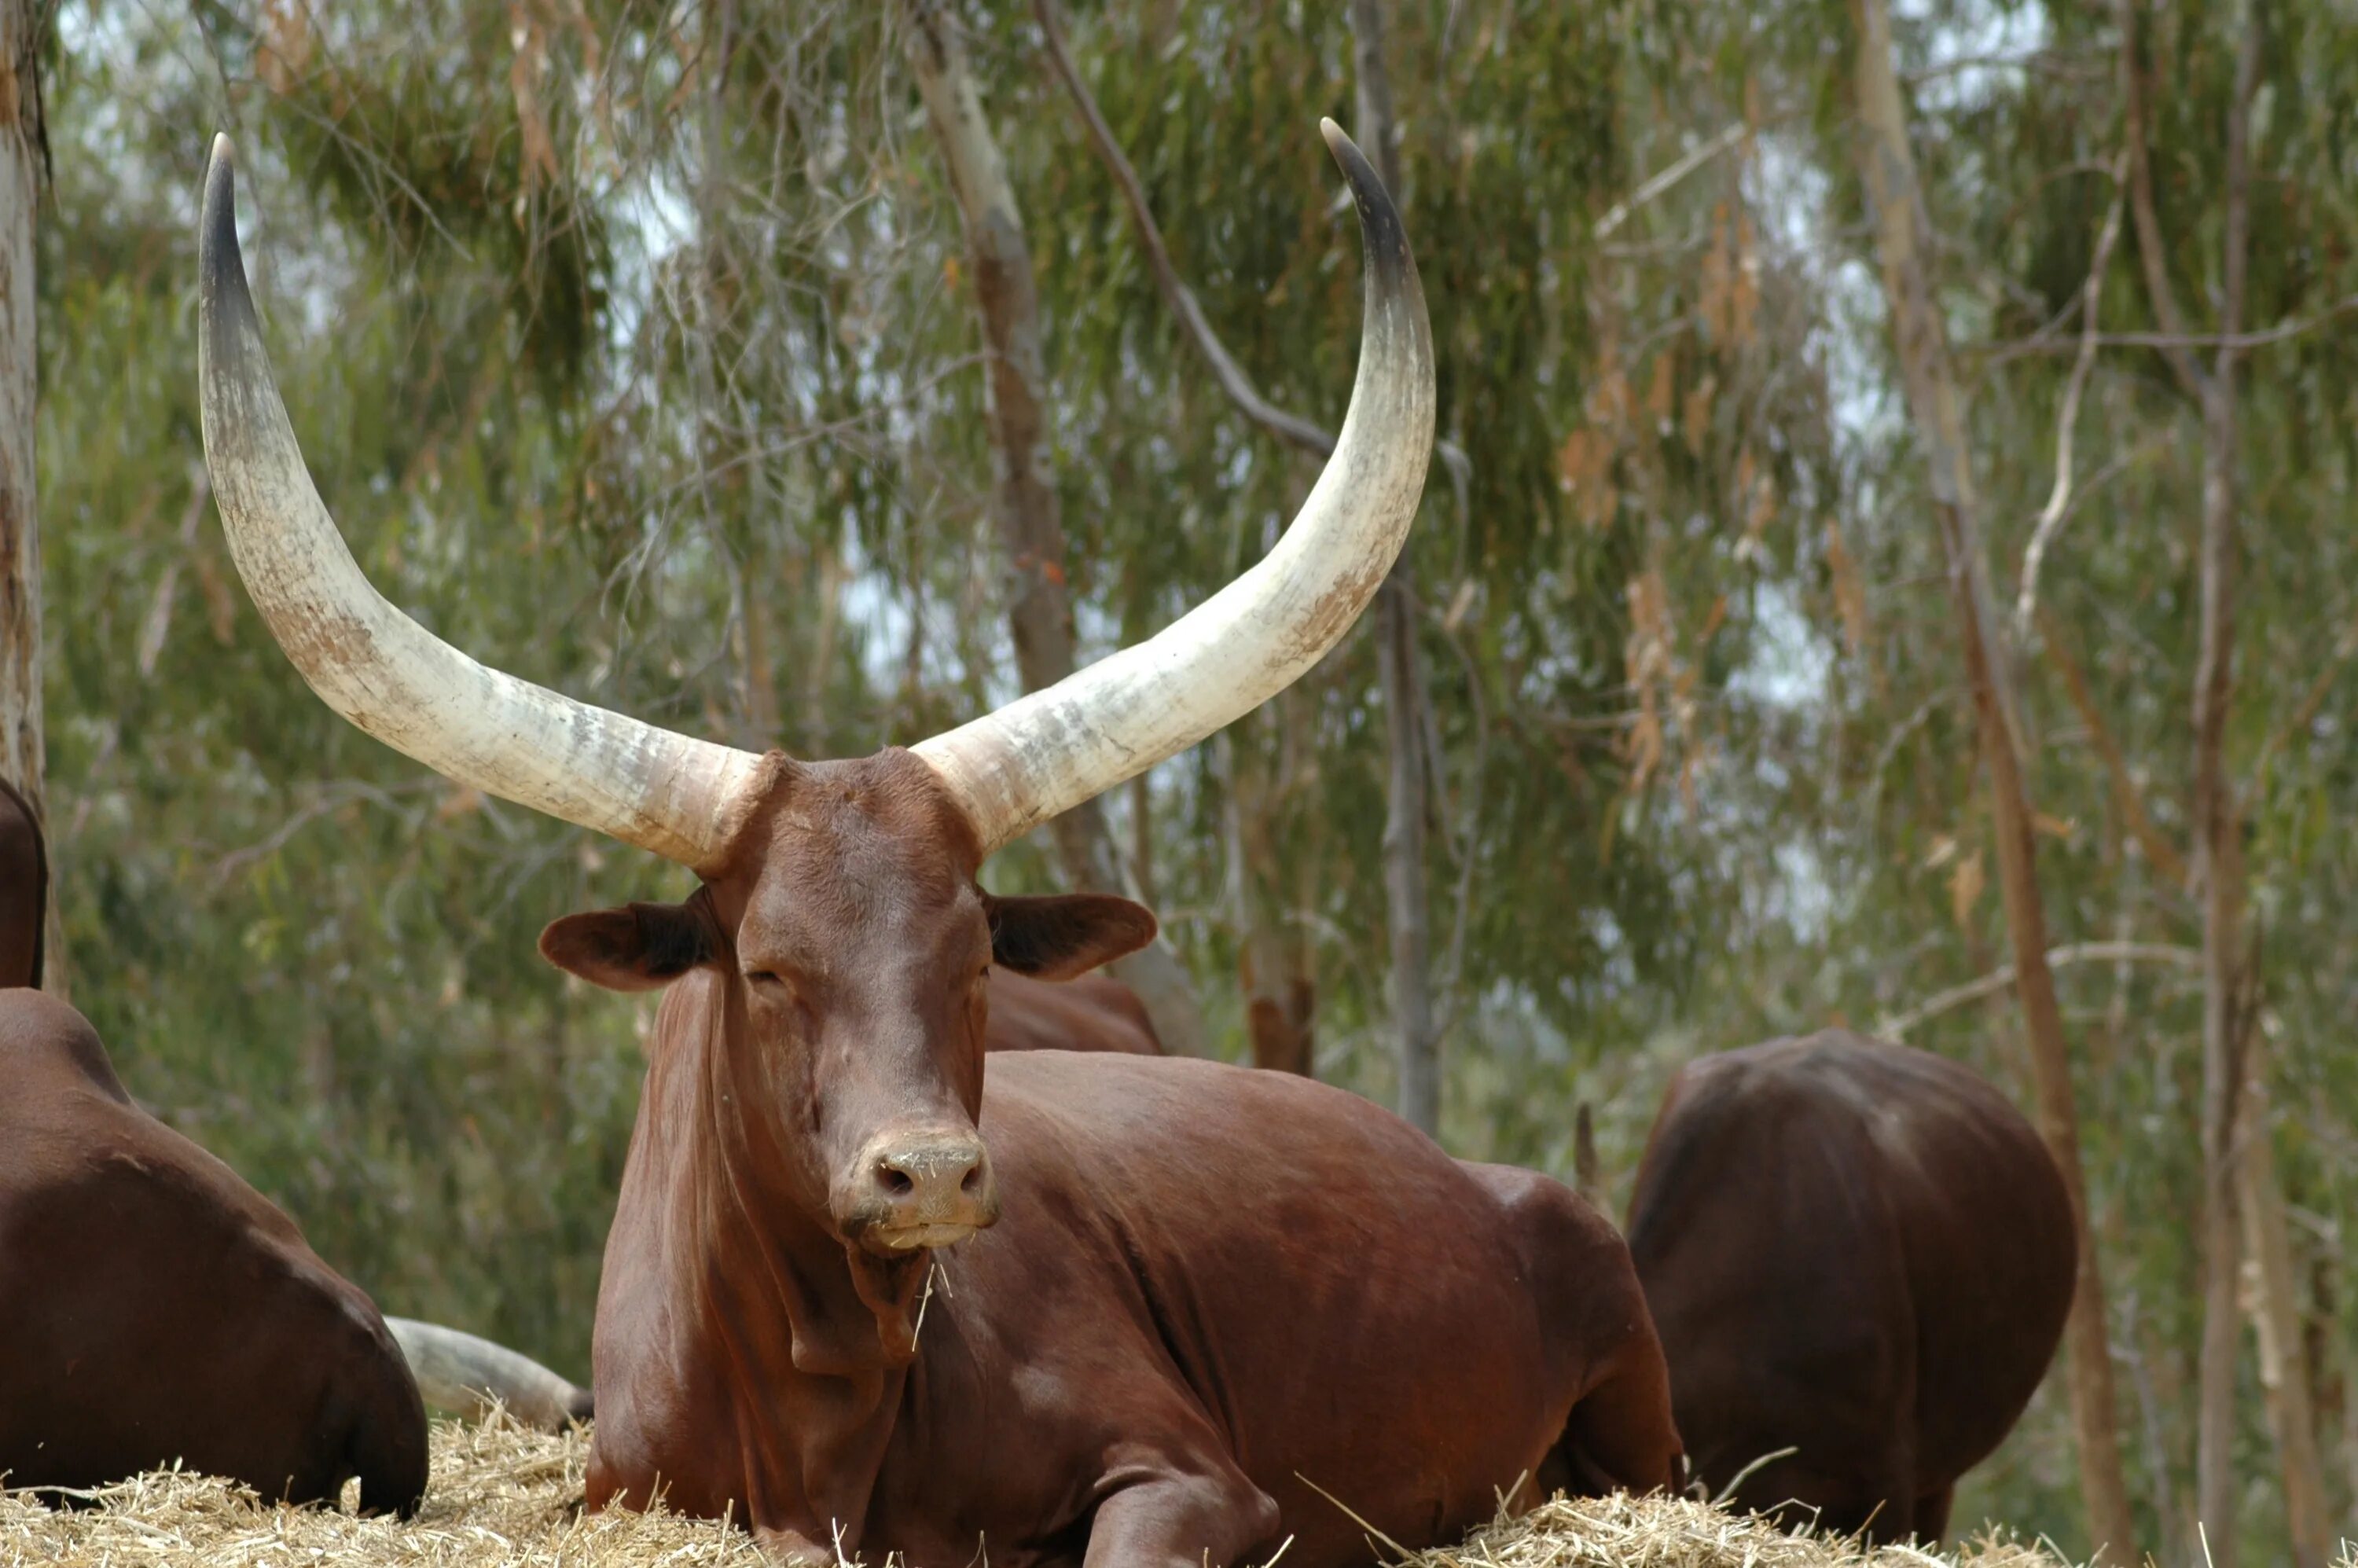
<point>2275,1320</point>
<point>1280,1001</point>
<point>1407,892</point>
<point>1903,232</point>
<point>22,150</point>
<point>1024,505</point>
<point>2219,857</point>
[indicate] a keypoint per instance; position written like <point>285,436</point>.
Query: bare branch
<point>2126,794</point>
<point>2148,225</point>
<point>1287,427</point>
<point>1620,211</point>
<point>2223,342</point>
<point>2304,711</point>
<point>2059,500</point>
<point>1895,1026</point>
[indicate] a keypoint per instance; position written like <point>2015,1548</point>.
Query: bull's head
<point>839,919</point>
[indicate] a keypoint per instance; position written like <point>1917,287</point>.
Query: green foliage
<point>630,346</point>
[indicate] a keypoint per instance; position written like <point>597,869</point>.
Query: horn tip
<point>221,267</point>
<point>1380,228</point>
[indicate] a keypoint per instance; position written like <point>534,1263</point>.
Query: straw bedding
<point>503,1497</point>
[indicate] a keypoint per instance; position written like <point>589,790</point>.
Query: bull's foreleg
<point>1157,1516</point>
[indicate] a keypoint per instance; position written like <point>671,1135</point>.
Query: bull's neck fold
<point>766,1302</point>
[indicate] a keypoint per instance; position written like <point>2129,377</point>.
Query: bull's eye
<point>764,977</point>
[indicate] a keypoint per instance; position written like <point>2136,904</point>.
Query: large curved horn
<point>379,668</point>
<point>1048,751</point>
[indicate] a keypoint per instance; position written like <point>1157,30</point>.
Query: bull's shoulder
<point>76,1144</point>
<point>47,1045</point>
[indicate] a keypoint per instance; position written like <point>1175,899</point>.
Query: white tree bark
<point>1024,504</point>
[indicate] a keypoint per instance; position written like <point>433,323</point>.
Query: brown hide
<point>24,890</point>
<point>1855,1249</point>
<point>1095,1012</point>
<point>1210,1286</point>
<point>154,1307</point>
<point>1170,1289</point>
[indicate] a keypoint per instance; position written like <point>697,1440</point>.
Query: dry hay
<point>503,1497</point>
<point>1623,1531</point>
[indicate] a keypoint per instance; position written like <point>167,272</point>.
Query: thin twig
<point>2164,855</point>
<point>2306,709</point>
<point>2150,252</point>
<point>1895,1026</point>
<point>2059,500</point>
<point>1289,427</point>
<point>2231,342</point>
<point>1620,212</point>
<point>1286,426</point>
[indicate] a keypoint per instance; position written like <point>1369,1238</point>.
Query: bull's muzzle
<point>907,1192</point>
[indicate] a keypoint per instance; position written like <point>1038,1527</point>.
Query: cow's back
<point>156,1308</point>
<point>1857,1249</point>
<point>24,890</point>
<point>1094,1012</point>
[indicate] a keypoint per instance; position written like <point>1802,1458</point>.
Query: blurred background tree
<point>635,348</point>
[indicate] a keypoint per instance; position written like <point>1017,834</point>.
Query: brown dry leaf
<point>2053,827</point>
<point>1965,883</point>
<point>1744,290</point>
<point>1714,288</point>
<point>1696,417</point>
<point>592,51</point>
<point>1850,593</point>
<point>1641,747</point>
<point>523,80</point>
<point>220,604</point>
<point>1761,511</point>
<point>1697,759</point>
<point>1586,464</point>
<point>1755,497</point>
<point>284,47</point>
<point>464,801</point>
<point>1661,393</point>
<point>1609,394</point>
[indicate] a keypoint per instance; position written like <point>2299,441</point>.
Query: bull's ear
<point>635,949</point>
<point>1057,938</point>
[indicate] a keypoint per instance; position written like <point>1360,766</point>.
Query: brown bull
<point>1091,1012</point>
<point>154,1307</point>
<point>1212,1290</point>
<point>24,890</point>
<point>1855,1250</point>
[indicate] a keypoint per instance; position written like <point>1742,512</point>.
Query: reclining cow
<point>1104,1307</point>
<point>1857,1251</point>
<point>1089,1012</point>
<point>155,1309</point>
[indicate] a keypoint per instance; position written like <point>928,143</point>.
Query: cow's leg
<point>1932,1513</point>
<point>1174,1517</point>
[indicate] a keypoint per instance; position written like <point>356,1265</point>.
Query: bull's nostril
<point>973,1182</point>
<point>896,1180</point>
